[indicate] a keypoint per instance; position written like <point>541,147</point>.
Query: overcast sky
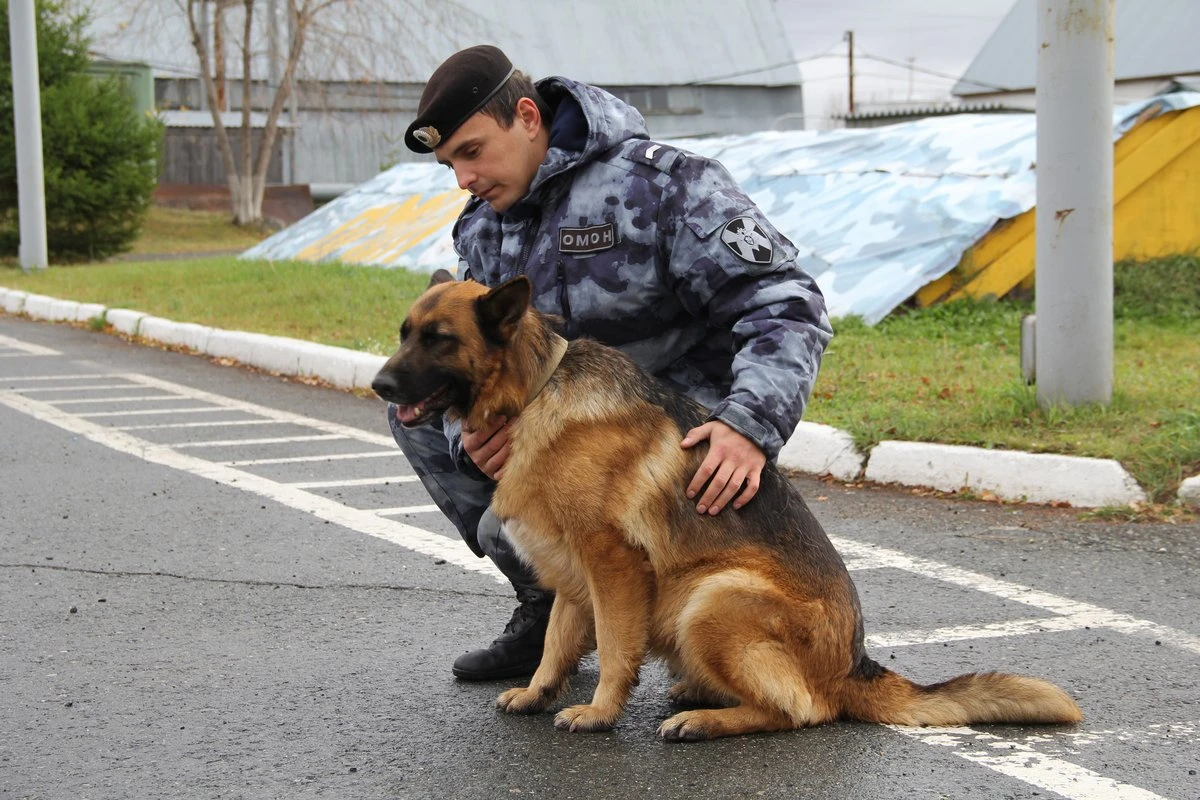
<point>939,35</point>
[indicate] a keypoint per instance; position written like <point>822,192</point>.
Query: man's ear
<point>529,116</point>
<point>500,310</point>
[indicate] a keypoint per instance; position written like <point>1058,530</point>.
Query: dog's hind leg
<point>621,585</point>
<point>568,638</point>
<point>711,723</point>
<point>734,636</point>
<point>690,693</point>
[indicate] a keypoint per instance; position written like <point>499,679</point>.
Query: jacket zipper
<point>564,299</point>
<point>531,228</point>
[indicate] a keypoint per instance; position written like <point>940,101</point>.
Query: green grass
<point>347,306</point>
<point>172,231</point>
<point>951,374</point>
<point>946,374</point>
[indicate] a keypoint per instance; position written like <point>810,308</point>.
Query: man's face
<point>494,163</point>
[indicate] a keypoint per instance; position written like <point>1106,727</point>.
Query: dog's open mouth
<point>419,413</point>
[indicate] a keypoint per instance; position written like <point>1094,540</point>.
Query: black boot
<point>518,650</point>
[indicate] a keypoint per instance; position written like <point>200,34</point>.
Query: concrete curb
<point>1010,475</point>
<point>124,320</point>
<point>814,448</point>
<point>1189,491</point>
<point>40,306</point>
<point>822,450</point>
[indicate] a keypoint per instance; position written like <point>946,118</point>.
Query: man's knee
<point>497,546</point>
<point>491,535</point>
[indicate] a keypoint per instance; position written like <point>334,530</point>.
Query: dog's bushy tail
<point>972,699</point>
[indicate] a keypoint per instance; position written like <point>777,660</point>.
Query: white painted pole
<point>27,118</point>
<point>1074,300</point>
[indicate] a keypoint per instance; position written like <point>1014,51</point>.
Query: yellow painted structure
<point>1156,212</point>
<point>371,236</point>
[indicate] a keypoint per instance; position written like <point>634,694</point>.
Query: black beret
<point>462,85</point>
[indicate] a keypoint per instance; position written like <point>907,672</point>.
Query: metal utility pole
<point>849,37</point>
<point>27,119</point>
<point>1074,302</point>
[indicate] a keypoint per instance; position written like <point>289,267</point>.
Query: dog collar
<point>558,348</point>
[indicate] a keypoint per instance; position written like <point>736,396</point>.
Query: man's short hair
<point>503,107</point>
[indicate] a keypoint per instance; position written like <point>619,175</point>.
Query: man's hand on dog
<point>733,460</point>
<point>488,447</point>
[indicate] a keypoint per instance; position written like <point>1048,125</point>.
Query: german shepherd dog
<point>753,609</point>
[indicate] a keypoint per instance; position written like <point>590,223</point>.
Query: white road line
<point>142,412</point>
<point>90,376</point>
<point>390,512</point>
<point>367,522</point>
<point>80,401</point>
<point>26,348</point>
<point>1073,743</point>
<point>355,482</point>
<point>264,411</point>
<point>216,423</point>
<point>993,630</point>
<point>1021,761</point>
<point>84,388</point>
<point>860,563</point>
<point>257,462</point>
<point>316,437</point>
<point>1097,617</point>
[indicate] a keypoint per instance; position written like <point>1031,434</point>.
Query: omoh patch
<point>747,240</point>
<point>591,239</point>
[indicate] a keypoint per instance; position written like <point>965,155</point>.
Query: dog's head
<point>451,344</point>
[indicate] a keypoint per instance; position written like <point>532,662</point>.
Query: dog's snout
<point>385,385</point>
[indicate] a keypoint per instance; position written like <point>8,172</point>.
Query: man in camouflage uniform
<point>639,245</point>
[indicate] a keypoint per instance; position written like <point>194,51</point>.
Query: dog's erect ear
<point>441,276</point>
<point>501,309</point>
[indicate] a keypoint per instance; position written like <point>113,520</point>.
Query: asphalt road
<point>216,583</point>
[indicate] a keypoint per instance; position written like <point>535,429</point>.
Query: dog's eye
<point>405,329</point>
<point>432,337</point>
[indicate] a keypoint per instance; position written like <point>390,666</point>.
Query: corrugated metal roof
<point>610,43</point>
<point>1152,38</point>
<point>877,213</point>
<point>928,110</point>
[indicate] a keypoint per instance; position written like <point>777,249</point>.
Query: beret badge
<point>428,136</point>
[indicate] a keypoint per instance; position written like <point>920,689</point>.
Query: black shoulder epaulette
<point>660,156</point>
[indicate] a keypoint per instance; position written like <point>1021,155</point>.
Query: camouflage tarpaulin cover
<point>887,210</point>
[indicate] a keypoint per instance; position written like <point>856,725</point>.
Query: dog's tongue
<point>407,414</point>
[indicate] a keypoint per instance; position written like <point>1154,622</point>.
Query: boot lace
<point>531,608</point>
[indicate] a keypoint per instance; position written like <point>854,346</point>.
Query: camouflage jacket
<point>656,251</point>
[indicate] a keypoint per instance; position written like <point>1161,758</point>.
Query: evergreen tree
<point>100,156</point>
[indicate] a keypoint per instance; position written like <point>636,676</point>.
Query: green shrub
<point>100,157</point>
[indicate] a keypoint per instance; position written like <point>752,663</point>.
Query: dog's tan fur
<point>753,608</point>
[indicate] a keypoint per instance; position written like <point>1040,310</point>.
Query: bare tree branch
<point>344,58</point>
<point>210,88</point>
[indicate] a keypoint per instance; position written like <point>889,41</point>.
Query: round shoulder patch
<point>747,240</point>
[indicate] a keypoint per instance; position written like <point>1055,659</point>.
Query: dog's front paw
<point>586,719</point>
<point>523,700</point>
